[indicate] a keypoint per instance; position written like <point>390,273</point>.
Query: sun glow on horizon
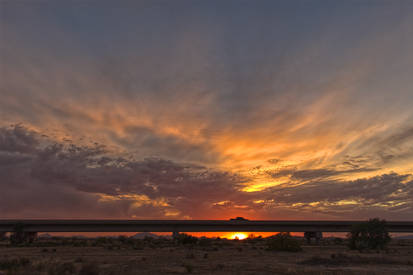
<point>238,236</point>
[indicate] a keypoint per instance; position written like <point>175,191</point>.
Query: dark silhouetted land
<point>123,255</point>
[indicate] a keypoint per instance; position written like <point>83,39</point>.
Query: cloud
<point>48,179</point>
<point>184,100</point>
<point>65,179</point>
<point>313,174</point>
<point>385,195</point>
<point>17,139</point>
<point>375,190</point>
<point>146,141</point>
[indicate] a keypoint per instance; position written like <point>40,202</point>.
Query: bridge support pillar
<point>317,235</point>
<point>19,237</point>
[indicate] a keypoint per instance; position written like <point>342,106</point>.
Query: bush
<point>184,239</point>
<point>189,268</point>
<point>283,242</point>
<point>61,269</point>
<point>8,264</point>
<point>102,241</point>
<point>369,235</point>
<point>253,239</point>
<point>204,241</point>
<point>3,236</point>
<point>122,239</point>
<point>89,269</point>
<point>350,260</point>
<point>338,241</point>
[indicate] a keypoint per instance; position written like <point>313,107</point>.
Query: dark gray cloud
<point>17,139</point>
<point>374,190</point>
<point>42,178</point>
<point>66,179</point>
<point>392,146</point>
<point>147,142</point>
<point>314,174</point>
<point>387,195</point>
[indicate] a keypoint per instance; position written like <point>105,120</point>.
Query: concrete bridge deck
<point>189,226</point>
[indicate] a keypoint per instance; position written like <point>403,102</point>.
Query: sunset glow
<point>238,236</point>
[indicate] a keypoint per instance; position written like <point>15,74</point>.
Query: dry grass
<point>151,256</point>
<point>341,259</point>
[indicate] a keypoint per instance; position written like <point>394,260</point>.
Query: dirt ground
<point>89,257</point>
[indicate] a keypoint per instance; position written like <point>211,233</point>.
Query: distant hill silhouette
<point>143,235</point>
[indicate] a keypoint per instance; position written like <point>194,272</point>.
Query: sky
<point>178,109</point>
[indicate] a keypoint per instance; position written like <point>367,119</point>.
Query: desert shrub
<point>341,259</point>
<point>79,243</point>
<point>220,267</point>
<point>204,241</point>
<point>125,240</point>
<point>369,235</point>
<point>101,241</point>
<point>61,269</point>
<point>189,268</point>
<point>10,264</point>
<point>253,239</point>
<point>148,239</point>
<point>159,242</point>
<point>338,241</point>
<point>138,246</point>
<point>190,255</point>
<point>2,236</point>
<point>89,269</point>
<point>283,242</point>
<point>184,239</point>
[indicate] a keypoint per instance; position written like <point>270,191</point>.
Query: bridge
<point>27,228</point>
<point>189,226</point>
